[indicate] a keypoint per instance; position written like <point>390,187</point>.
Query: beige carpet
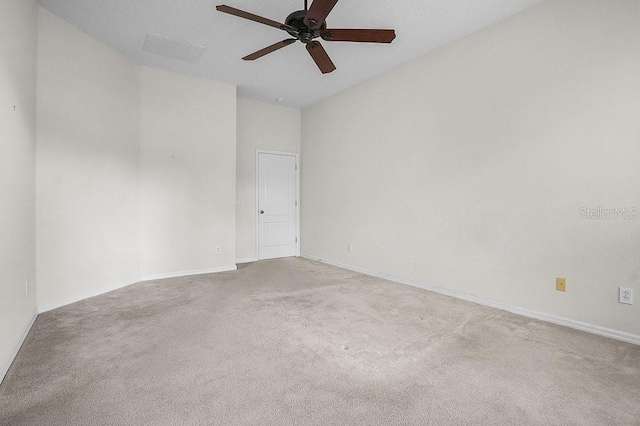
<point>293,342</point>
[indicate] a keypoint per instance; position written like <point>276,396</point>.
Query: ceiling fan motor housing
<point>303,32</point>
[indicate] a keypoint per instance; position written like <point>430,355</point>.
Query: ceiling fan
<point>306,26</point>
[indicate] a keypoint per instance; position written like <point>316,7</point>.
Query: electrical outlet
<point>218,250</point>
<point>350,248</point>
<point>561,284</point>
<point>26,287</point>
<point>626,296</point>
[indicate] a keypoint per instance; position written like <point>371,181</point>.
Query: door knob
<point>261,211</point>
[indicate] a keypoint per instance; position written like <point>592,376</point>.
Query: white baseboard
<point>188,273</point>
<point>246,260</point>
<point>64,302</point>
<point>567,322</point>
<point>16,346</point>
<point>81,296</point>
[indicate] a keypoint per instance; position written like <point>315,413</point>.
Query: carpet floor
<point>294,342</point>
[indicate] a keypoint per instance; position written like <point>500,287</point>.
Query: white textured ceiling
<point>421,26</point>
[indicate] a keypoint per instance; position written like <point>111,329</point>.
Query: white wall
<point>260,126</point>
<point>135,169</point>
<point>188,173</point>
<point>467,168</point>
<point>87,165</point>
<point>18,45</point>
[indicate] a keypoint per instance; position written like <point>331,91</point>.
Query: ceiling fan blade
<point>360,36</point>
<point>320,56</point>
<point>318,13</point>
<point>260,53</point>
<point>250,16</point>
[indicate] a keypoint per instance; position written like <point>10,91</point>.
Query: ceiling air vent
<point>173,48</point>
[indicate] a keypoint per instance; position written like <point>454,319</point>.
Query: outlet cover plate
<point>625,296</point>
<point>561,284</point>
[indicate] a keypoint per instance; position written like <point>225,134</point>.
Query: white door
<point>277,206</point>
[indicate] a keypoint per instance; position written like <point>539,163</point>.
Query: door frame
<point>289,154</point>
